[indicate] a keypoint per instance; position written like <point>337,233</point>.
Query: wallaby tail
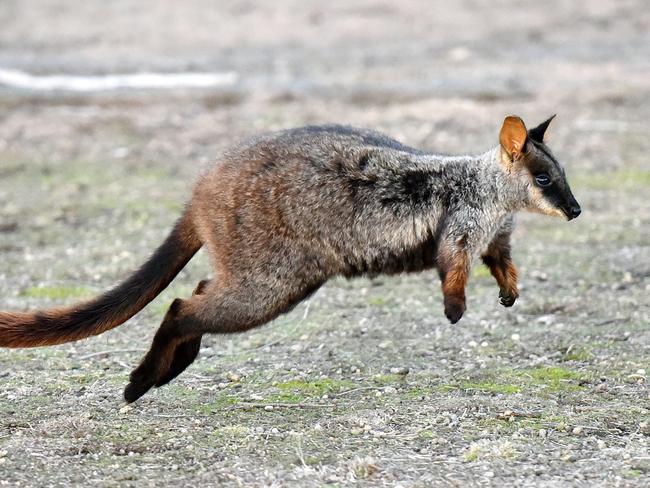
<point>114,307</point>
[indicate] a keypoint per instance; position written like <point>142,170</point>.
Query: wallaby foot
<point>184,355</point>
<point>508,298</point>
<point>454,308</point>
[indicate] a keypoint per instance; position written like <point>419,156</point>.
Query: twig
<point>244,406</point>
<point>165,416</point>
<point>511,413</point>
<point>354,390</point>
<point>114,351</point>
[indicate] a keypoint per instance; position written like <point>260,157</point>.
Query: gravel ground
<point>366,383</point>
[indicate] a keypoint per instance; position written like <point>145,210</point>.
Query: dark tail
<point>113,308</point>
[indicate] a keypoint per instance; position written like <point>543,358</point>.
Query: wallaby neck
<point>482,175</point>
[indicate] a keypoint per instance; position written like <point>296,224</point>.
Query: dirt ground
<point>365,384</point>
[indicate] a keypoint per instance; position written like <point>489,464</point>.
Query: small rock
<point>644,427</point>
<point>403,371</point>
<point>546,319</point>
<point>601,444</point>
<point>515,337</point>
<point>601,388</point>
<point>578,430</point>
<point>268,408</point>
<point>232,377</point>
<point>126,409</point>
<point>390,390</point>
<point>539,275</point>
<point>542,433</point>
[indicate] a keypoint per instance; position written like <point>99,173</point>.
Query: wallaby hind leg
<point>170,354</point>
<point>184,355</point>
<point>215,311</point>
<point>185,352</point>
<point>158,359</point>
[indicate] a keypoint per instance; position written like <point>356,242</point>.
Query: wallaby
<point>282,213</point>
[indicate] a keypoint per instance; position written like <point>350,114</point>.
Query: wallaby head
<point>528,159</point>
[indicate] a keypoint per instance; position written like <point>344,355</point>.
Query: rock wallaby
<point>282,213</point>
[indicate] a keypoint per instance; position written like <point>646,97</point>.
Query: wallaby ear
<point>537,133</point>
<point>513,136</point>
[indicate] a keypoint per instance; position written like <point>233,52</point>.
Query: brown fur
<point>454,267</point>
<point>498,260</point>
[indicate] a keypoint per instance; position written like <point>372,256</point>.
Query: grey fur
<point>374,204</point>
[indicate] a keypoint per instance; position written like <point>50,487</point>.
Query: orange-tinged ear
<point>513,136</point>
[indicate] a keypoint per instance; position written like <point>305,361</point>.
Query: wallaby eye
<point>543,179</point>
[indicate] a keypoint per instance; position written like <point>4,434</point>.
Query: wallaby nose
<point>575,211</point>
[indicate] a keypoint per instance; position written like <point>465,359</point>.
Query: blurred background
<point>108,112</point>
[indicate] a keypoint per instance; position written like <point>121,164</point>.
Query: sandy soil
<point>552,392</point>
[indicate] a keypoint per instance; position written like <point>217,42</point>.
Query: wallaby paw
<point>454,309</point>
<point>507,299</point>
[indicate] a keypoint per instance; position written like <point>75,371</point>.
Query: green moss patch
<point>57,292</point>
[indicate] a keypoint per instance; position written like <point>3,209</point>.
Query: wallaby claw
<point>507,299</point>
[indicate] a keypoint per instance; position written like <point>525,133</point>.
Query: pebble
<point>232,377</point>
<point>644,427</point>
<point>546,319</point>
<point>126,408</point>
<point>539,275</point>
<point>577,430</point>
<point>403,371</point>
<point>601,388</point>
<point>569,458</point>
<point>268,408</point>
